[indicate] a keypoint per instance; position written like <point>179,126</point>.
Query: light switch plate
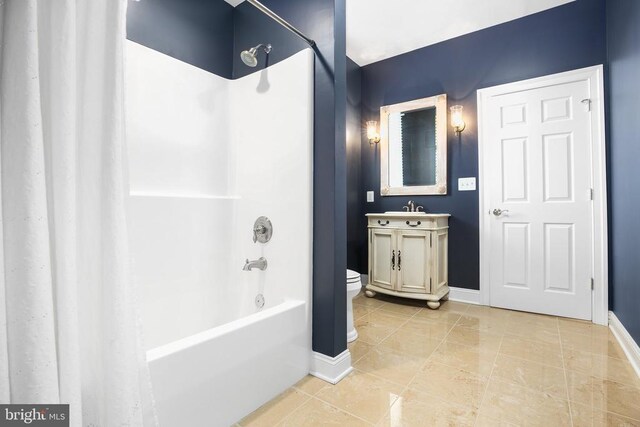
<point>467,184</point>
<point>370,196</point>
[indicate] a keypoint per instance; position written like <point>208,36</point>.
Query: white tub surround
<point>219,154</point>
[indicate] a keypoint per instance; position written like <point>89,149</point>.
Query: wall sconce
<point>456,119</point>
<point>372,132</point>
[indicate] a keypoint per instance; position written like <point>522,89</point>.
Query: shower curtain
<point>68,317</point>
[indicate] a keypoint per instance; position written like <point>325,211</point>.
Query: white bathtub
<point>216,377</point>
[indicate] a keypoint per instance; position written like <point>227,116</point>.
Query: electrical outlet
<point>370,196</point>
<point>467,184</point>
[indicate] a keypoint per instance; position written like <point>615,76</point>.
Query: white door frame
<point>594,77</point>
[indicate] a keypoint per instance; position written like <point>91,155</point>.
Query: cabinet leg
<point>433,305</point>
<point>369,293</point>
<point>445,298</point>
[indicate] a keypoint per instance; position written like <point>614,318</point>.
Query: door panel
<point>413,261</point>
<point>382,254</point>
<point>514,170</point>
<point>538,165</point>
<point>517,254</point>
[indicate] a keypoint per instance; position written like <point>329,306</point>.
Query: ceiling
<point>380,29</point>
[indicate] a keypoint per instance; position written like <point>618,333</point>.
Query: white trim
<point>470,296</point>
<point>594,76</point>
<point>331,369</point>
<point>629,346</point>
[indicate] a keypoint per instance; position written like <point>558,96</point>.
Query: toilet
<point>354,286</point>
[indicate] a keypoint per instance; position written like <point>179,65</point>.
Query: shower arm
<point>264,9</point>
<point>265,47</point>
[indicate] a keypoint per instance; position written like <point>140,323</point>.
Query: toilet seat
<point>352,276</point>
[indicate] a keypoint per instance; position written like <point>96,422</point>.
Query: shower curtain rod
<point>271,14</point>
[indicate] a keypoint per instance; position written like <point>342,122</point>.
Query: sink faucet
<point>410,207</point>
<point>260,263</point>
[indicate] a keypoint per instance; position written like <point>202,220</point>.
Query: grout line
<point>484,394</point>
<point>442,340</point>
<point>343,410</point>
<point>292,388</point>
<point>564,372</point>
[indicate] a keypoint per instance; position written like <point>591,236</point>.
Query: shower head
<point>249,56</point>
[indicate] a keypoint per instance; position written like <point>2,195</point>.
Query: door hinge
<point>592,284</point>
<point>587,103</point>
<point>591,193</point>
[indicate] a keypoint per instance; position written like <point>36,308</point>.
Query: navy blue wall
<point>623,46</point>
<point>323,21</point>
<point>354,153</point>
<point>199,32</point>
<point>560,39</point>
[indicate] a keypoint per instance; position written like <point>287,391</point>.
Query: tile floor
<point>466,365</point>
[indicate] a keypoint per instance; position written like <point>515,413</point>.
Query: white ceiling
<point>380,29</point>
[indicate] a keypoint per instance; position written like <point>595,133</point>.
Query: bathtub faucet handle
<point>258,231</point>
<point>262,230</point>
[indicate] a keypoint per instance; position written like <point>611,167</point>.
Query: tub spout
<point>260,263</point>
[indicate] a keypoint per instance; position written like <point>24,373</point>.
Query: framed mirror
<point>413,147</point>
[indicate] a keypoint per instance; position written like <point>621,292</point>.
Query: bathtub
<point>216,377</point>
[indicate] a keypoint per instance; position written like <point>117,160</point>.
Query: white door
<point>537,184</point>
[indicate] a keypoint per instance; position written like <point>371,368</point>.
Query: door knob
<point>498,212</point>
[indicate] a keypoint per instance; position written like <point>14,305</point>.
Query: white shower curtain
<point>68,319</point>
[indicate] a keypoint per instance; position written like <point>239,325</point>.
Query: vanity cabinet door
<point>382,258</point>
<point>413,265</point>
<point>439,250</point>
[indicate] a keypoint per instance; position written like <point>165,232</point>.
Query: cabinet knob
<point>385,223</point>
<point>413,225</point>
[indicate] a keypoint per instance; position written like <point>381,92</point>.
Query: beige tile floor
<point>466,365</point>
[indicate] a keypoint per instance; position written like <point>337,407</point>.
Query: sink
<point>403,213</point>
<point>408,214</point>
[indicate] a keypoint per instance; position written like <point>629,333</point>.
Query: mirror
<point>413,147</point>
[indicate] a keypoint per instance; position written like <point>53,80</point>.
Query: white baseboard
<point>331,369</point>
<point>470,296</point>
<point>627,343</point>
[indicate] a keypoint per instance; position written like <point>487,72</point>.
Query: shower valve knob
<point>262,230</point>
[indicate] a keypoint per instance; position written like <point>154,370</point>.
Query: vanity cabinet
<point>408,256</point>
